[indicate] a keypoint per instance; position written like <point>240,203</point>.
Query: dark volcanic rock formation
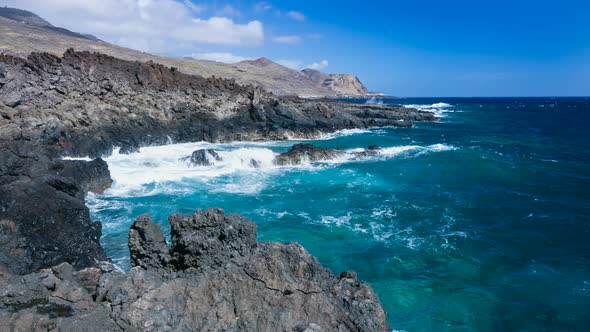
<point>216,277</point>
<point>84,103</point>
<point>306,152</point>
<point>201,157</point>
<point>43,219</point>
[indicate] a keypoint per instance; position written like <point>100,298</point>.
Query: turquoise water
<point>480,222</point>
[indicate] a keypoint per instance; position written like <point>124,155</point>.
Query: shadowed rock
<point>147,246</point>
<point>219,279</point>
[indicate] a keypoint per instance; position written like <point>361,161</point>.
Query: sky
<point>401,48</point>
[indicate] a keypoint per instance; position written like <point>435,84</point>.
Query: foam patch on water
<point>244,168</point>
<point>439,109</point>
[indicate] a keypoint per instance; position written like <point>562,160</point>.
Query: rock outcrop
<point>202,157</point>
<point>215,277</point>
<point>303,152</point>
<point>341,84</point>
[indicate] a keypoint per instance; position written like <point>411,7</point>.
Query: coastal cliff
<point>83,104</point>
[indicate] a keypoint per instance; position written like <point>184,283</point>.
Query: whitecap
<point>439,109</point>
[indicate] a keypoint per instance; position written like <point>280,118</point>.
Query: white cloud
<point>219,57</point>
<point>318,66</point>
<point>262,6</point>
<point>298,64</point>
<point>229,10</point>
<point>287,39</point>
<point>194,8</point>
<point>161,26</point>
<point>293,64</point>
<point>296,15</point>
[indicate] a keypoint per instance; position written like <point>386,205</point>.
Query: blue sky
<point>403,48</point>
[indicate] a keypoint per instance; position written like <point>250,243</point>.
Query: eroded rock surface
<point>215,277</point>
<point>304,152</point>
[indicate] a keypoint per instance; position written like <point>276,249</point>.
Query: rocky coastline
<point>53,271</point>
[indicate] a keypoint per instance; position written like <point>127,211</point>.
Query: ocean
<point>478,222</point>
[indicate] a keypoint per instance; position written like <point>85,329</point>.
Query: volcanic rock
<point>306,152</point>
<point>202,157</point>
<point>219,279</point>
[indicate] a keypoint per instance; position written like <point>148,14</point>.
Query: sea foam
<point>157,169</point>
<point>439,109</point>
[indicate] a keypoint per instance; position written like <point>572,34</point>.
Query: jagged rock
<point>254,163</point>
<point>147,245</point>
<point>43,218</point>
<point>202,157</point>
<point>210,238</point>
<point>239,286</point>
<point>305,152</point>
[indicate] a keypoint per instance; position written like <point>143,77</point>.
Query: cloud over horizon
<point>225,57</point>
<point>299,65</point>
<point>318,66</point>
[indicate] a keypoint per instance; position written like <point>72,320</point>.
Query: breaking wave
<point>439,109</point>
<point>146,172</point>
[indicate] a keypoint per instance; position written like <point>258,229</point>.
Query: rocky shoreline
<point>84,104</point>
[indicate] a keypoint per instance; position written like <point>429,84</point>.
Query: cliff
<point>52,266</point>
<point>341,84</point>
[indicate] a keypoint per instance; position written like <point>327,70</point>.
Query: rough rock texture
<point>83,104</point>
<point>215,277</point>
<point>43,218</point>
<point>306,152</point>
<point>201,157</point>
<point>219,279</point>
<point>147,245</point>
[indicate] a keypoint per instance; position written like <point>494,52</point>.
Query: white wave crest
<point>160,168</point>
<point>439,109</point>
<point>374,100</point>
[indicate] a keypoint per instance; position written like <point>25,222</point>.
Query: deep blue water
<point>480,222</point>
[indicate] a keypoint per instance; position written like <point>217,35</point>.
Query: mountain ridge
<point>23,32</point>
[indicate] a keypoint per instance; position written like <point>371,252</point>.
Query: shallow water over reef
<point>478,222</point>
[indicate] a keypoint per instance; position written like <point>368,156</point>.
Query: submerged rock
<point>218,278</point>
<point>202,157</point>
<point>254,163</point>
<point>306,152</point>
<point>372,150</point>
